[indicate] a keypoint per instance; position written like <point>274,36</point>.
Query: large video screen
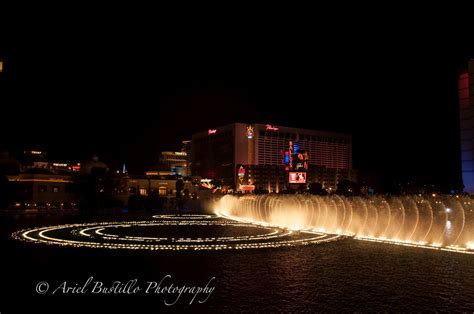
<point>297,177</point>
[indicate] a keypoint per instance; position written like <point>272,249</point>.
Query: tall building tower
<point>466,115</point>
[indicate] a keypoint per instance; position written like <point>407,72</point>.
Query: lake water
<point>346,275</point>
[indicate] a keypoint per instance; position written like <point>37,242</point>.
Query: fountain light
<point>114,235</point>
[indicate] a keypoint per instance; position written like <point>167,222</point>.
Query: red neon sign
<point>211,131</point>
<point>271,127</point>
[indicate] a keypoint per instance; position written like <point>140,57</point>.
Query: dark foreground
<point>346,275</point>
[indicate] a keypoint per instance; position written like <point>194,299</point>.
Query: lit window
<point>55,189</point>
<point>143,192</point>
<point>162,190</point>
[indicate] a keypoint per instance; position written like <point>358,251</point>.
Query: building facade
<point>466,115</point>
<point>43,190</point>
<point>176,162</point>
<point>259,156</point>
<point>160,186</point>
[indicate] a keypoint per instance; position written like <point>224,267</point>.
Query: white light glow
<point>113,235</point>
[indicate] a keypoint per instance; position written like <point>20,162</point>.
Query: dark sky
<point>126,90</point>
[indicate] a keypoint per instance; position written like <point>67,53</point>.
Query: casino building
<point>274,158</point>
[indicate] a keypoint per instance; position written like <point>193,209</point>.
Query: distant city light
<point>55,164</point>
<point>296,147</point>
<point>174,153</point>
<point>46,180</point>
<point>448,210</point>
<point>211,131</point>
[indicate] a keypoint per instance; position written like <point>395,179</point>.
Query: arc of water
<point>363,229</point>
<point>389,219</point>
<point>343,216</point>
<point>402,225</point>
<point>310,209</point>
<point>316,225</point>
<point>334,224</point>
<point>374,228</point>
<point>440,239</point>
<point>463,223</point>
<point>323,225</point>
<point>410,237</point>
<point>349,225</point>
<point>431,221</point>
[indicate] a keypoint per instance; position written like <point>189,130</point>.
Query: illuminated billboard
<point>297,177</point>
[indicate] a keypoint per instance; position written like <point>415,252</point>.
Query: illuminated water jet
<point>441,222</point>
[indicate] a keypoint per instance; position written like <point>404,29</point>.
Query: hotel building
<point>255,156</point>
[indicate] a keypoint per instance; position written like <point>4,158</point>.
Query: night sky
<point>127,91</point>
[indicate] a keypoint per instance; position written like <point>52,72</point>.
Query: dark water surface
<point>346,275</point>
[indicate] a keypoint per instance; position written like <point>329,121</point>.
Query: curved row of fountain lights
<point>113,235</point>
